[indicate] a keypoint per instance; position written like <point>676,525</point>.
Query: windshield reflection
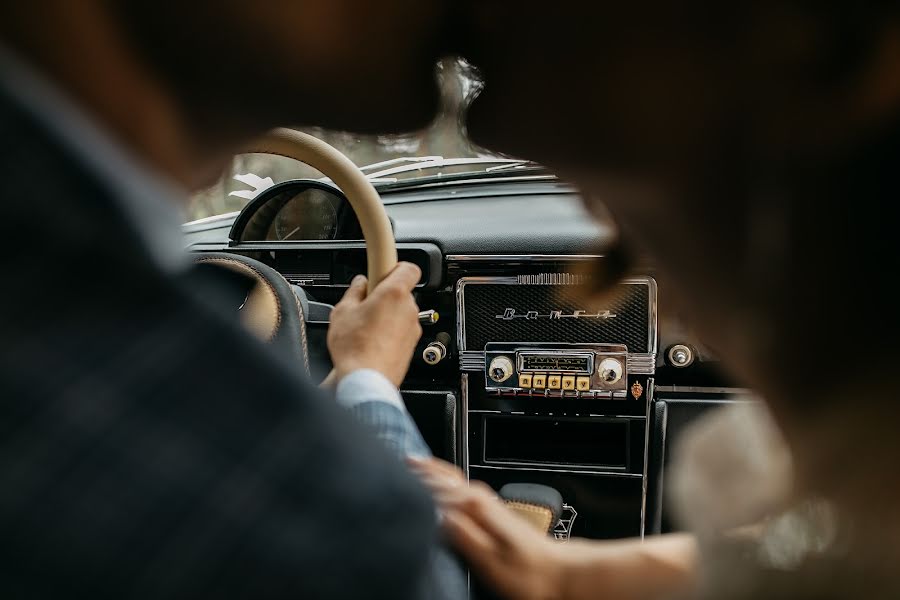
<point>390,158</point>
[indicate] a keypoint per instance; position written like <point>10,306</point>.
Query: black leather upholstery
<point>435,413</point>
<point>290,330</point>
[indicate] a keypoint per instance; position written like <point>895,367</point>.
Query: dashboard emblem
<point>563,529</point>
<point>637,389</point>
<point>510,314</point>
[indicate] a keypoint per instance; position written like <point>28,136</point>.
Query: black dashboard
<point>535,381</point>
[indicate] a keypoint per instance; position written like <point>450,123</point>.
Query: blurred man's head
<point>201,76</point>
<point>733,142</point>
<point>349,64</point>
<point>633,86</point>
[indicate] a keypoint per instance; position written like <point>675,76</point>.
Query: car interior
<point>529,369</point>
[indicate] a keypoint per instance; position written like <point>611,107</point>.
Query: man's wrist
<point>367,385</point>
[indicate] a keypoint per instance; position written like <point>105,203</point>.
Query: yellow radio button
<point>568,382</point>
<point>583,384</point>
<point>525,381</point>
<point>539,382</point>
<point>553,382</point>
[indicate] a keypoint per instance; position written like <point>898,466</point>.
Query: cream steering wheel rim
<point>381,249</point>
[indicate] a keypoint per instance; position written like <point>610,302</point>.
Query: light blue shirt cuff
<point>367,385</point>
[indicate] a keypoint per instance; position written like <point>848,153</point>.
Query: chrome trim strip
<point>580,472</point>
<point>464,422</point>
<point>461,304</point>
<point>552,279</point>
<point>554,466</point>
<point>561,413</point>
<point>641,364</point>
<point>652,319</point>
<point>650,382</point>
<point>637,364</point>
<point>699,389</point>
<point>521,257</point>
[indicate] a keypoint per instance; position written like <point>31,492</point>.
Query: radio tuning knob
<point>500,369</point>
<point>610,370</point>
<point>434,353</point>
<point>437,351</point>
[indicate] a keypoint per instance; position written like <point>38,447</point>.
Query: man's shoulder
<point>210,444</point>
<point>144,433</point>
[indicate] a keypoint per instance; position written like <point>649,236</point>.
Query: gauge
<point>297,211</point>
<point>308,215</point>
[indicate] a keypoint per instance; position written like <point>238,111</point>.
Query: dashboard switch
<point>437,350</point>
<point>583,384</point>
<point>568,382</point>
<point>553,382</point>
<point>680,356</point>
<point>525,380</point>
<point>539,382</point>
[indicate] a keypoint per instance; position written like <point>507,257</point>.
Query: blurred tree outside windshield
<point>446,136</point>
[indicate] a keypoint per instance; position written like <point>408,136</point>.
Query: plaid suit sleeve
<point>377,404</point>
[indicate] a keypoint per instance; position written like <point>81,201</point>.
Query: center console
<point>555,391</point>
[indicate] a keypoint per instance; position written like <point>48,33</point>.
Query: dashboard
<point>524,376</point>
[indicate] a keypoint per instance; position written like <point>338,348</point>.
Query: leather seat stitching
<point>543,511</point>
<point>260,277</point>
<point>303,340</point>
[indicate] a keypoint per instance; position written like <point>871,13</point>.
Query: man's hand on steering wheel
<point>379,331</point>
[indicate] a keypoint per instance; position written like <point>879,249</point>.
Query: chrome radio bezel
<point>598,387</point>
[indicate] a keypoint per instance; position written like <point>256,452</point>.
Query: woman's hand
<point>501,547</point>
<point>520,563</point>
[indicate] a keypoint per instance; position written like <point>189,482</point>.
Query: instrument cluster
<point>297,211</point>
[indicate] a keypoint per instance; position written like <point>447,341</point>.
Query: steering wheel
<point>381,250</point>
<point>280,302</point>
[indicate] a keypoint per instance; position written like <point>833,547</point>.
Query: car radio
<point>576,370</point>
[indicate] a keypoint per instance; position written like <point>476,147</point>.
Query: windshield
<point>441,149</point>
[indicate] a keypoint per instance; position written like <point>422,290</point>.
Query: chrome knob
<point>500,369</point>
<point>429,317</point>
<point>610,370</point>
<point>680,355</point>
<point>434,353</point>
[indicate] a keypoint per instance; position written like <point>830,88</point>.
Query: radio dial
<point>434,353</point>
<point>610,370</point>
<point>500,369</point>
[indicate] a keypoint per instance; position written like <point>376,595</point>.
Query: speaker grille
<point>485,303</point>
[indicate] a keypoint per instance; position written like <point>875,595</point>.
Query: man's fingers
<point>476,501</point>
<point>440,483</point>
<point>356,293</point>
<point>403,279</point>
<point>436,467</point>
<point>466,536</point>
<point>487,511</point>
